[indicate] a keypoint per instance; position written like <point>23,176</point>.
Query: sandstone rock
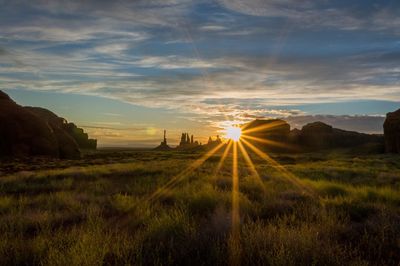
<point>68,130</point>
<point>318,135</point>
<point>22,133</point>
<point>31,131</point>
<point>68,148</point>
<point>391,128</point>
<point>80,137</point>
<point>274,131</point>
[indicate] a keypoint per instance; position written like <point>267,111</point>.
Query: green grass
<point>100,211</point>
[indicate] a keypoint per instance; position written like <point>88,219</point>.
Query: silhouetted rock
<point>68,147</point>
<point>163,145</point>
<point>267,127</point>
<point>211,143</point>
<point>69,129</point>
<point>80,137</point>
<point>294,135</point>
<point>22,133</point>
<point>274,132</point>
<point>318,136</point>
<point>187,142</point>
<point>30,131</point>
<point>275,135</point>
<point>391,128</point>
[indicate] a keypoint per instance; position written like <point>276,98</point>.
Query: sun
<point>233,133</point>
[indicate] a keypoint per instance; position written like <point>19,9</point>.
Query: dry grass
<point>101,213</point>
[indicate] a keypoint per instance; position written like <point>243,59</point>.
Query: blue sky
<point>125,70</point>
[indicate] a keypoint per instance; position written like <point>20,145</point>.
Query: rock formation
<point>276,131</point>
<point>391,129</point>
<point>213,143</point>
<point>68,147</point>
<point>319,136</point>
<point>275,135</point>
<point>187,142</point>
<point>316,135</point>
<point>23,133</point>
<point>82,138</point>
<point>163,145</point>
<point>31,131</point>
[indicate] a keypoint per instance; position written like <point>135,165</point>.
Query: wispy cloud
<point>380,15</point>
<point>213,28</point>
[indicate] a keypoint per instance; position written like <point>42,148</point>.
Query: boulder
<point>391,129</point>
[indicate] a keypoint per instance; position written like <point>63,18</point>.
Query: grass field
<point>108,209</point>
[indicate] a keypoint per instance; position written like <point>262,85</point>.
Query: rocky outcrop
<point>34,131</point>
<point>319,136</point>
<point>63,129</point>
<point>187,142</point>
<point>275,135</point>
<point>274,132</point>
<point>391,129</point>
<point>271,127</point>
<point>316,135</point>
<point>67,146</point>
<point>23,133</point>
<point>82,138</point>
<point>164,144</point>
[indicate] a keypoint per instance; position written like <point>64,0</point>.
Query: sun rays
<point>234,243</point>
<point>241,142</point>
<point>176,179</point>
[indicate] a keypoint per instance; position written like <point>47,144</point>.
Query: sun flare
<point>233,133</point>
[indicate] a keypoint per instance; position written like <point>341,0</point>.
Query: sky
<point>125,70</point>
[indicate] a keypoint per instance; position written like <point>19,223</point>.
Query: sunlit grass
<point>246,212</point>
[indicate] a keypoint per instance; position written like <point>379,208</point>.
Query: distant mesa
<point>391,129</point>
<point>35,131</point>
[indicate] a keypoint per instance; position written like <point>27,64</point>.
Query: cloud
<point>3,51</point>
<point>236,59</point>
<point>286,81</point>
<point>172,62</point>
<point>213,28</point>
<point>138,11</point>
<point>65,31</point>
<point>358,14</point>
